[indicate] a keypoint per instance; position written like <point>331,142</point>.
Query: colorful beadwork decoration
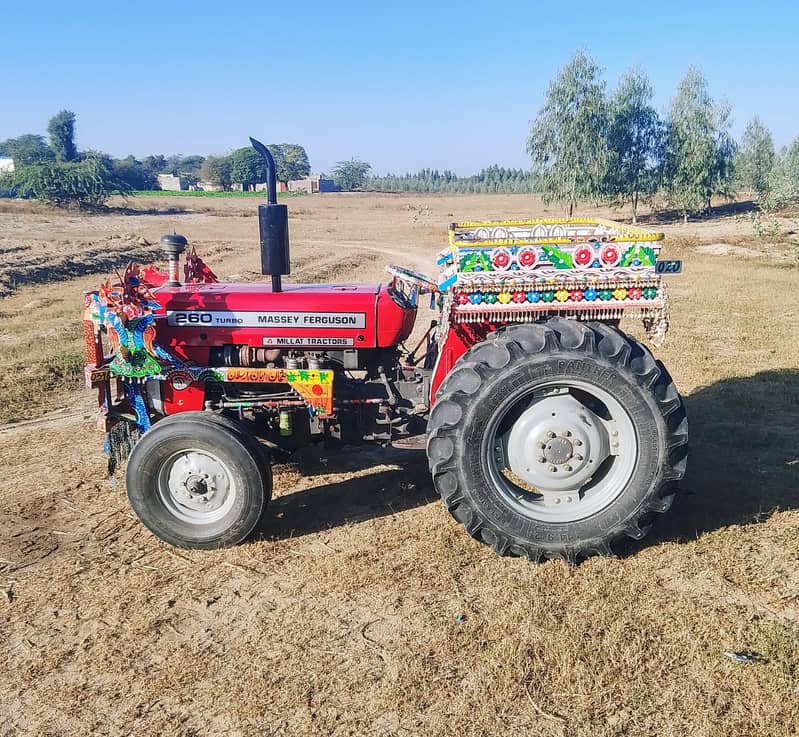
<point>312,386</point>
<point>126,309</point>
<point>515,271</point>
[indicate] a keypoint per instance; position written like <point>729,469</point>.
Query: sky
<point>402,85</point>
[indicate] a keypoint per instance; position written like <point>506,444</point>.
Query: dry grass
<point>364,609</point>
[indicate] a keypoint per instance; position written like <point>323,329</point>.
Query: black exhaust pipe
<point>273,223</point>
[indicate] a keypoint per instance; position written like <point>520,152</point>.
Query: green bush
<point>85,184</point>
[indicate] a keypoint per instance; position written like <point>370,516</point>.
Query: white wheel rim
<point>561,451</point>
<point>196,487</point>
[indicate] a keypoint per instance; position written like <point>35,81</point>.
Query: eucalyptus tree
<point>568,138</point>
<point>699,148</point>
<point>756,157</point>
<point>635,142</point>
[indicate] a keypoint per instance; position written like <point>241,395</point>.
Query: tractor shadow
<point>744,456</point>
<point>743,466</point>
<point>379,494</point>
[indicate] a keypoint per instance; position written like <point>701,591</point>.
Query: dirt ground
<point>362,608</point>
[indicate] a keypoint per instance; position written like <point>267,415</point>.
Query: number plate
<point>668,267</point>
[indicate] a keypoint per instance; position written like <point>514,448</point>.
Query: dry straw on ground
<point>364,609</point>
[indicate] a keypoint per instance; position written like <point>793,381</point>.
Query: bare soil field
<point>361,607</point>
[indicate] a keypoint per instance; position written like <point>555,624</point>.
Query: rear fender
<point>459,338</point>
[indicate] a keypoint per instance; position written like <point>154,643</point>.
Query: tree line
<point>586,143</point>
<point>55,171</point>
<point>491,179</point>
<point>589,145</point>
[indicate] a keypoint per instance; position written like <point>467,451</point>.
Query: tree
<point>216,169</point>
<point>756,156</point>
<point>61,130</point>
<point>134,174</point>
<point>699,148</point>
<point>781,191</point>
<point>185,166</point>
<point>350,175</point>
<point>28,149</point>
<point>155,164</point>
<point>291,161</point>
<point>568,138</point>
<point>782,188</point>
<point>247,167</point>
<point>635,140</point>
<point>85,184</point>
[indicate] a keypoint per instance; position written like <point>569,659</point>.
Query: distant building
<point>312,184</point>
<point>6,165</point>
<point>170,183</point>
<point>206,187</point>
<point>281,187</point>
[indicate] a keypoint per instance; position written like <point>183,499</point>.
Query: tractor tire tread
<point>462,384</point>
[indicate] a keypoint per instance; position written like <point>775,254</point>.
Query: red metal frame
<point>460,338</point>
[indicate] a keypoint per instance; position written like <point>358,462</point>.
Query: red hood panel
<point>197,317</point>
<point>259,296</point>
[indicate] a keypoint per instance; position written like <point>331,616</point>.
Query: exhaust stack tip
<point>273,223</point>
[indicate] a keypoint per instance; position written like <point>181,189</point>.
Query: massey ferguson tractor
<point>550,433</point>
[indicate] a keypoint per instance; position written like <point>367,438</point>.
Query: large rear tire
<point>556,439</point>
<point>198,480</point>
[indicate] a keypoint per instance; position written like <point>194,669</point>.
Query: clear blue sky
<point>450,84</point>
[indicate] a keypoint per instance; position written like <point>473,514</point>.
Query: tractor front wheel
<point>198,480</point>
<point>556,439</point>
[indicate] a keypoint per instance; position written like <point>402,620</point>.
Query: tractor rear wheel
<point>555,439</point>
<point>198,480</point>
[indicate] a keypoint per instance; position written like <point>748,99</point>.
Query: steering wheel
<point>412,278</point>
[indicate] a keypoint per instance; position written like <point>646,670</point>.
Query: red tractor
<point>549,432</point>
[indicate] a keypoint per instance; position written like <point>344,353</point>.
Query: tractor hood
<point>194,317</point>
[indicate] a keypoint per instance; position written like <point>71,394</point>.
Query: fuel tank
<point>198,317</point>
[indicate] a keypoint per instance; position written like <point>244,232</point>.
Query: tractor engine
<point>331,349</point>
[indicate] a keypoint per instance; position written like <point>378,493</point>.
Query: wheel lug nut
<point>567,434</point>
<point>541,459</point>
<point>557,500</point>
<point>550,434</point>
<point>577,457</point>
<point>569,468</point>
<point>553,469</point>
<point>577,441</point>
